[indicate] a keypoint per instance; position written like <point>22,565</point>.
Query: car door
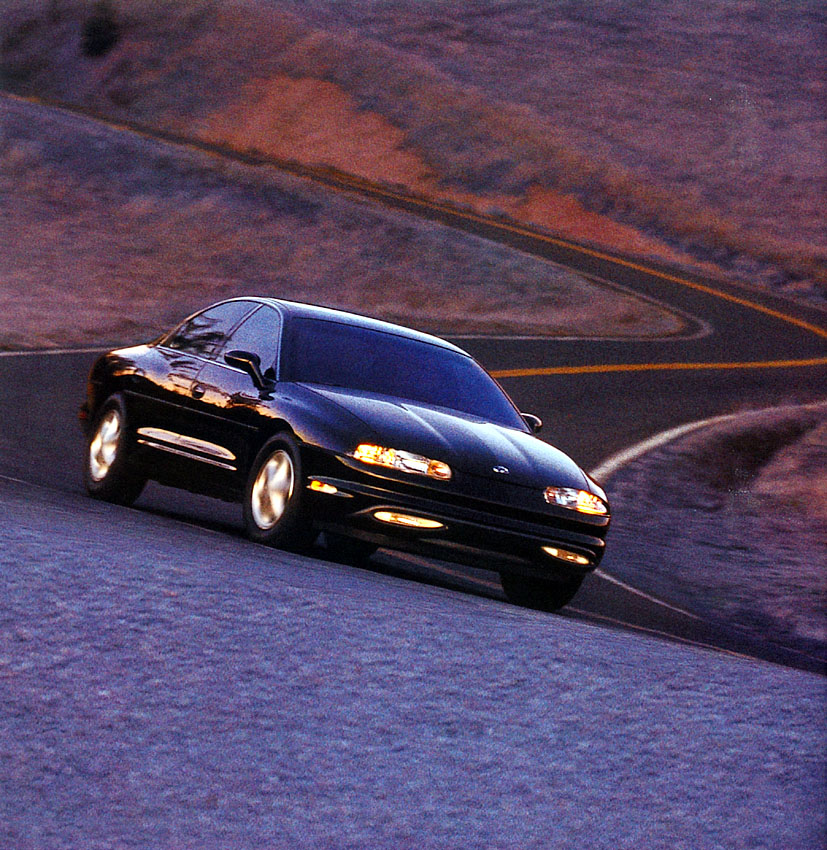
<point>230,406</point>
<point>167,398</point>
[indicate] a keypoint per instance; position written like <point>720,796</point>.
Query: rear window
<point>338,355</point>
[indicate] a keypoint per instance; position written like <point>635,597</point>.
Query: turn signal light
<point>322,487</point>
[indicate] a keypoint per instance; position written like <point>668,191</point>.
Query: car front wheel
<point>108,473</point>
<point>273,498</point>
<point>541,594</point>
<point>348,550</point>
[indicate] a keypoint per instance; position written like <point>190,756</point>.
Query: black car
<point>322,421</point>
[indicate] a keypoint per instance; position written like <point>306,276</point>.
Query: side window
<point>203,333</point>
<point>258,334</point>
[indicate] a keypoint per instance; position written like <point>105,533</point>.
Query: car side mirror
<point>251,364</point>
<point>533,422</point>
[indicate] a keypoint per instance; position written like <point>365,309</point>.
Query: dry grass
<point>108,237</point>
<point>633,125</point>
<point>794,480</point>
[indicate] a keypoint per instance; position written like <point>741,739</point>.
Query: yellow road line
<point>363,185</point>
<point>600,255</point>
<point>629,264</point>
<point>358,184</point>
<point>655,367</point>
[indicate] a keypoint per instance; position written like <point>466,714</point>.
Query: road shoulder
<point>727,519</point>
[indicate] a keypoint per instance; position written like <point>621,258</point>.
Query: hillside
<point>645,128</point>
<point>109,237</point>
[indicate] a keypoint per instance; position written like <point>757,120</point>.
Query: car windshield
<point>317,351</point>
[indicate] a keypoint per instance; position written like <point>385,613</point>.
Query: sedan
<point>320,421</point>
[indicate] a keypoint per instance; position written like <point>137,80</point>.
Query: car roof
<point>297,309</point>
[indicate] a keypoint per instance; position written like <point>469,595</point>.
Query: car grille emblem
<point>501,470</point>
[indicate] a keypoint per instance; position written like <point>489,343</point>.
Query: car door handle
<point>198,391</point>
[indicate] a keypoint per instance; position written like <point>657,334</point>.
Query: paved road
<point>739,348</point>
<point>164,686</point>
<point>194,690</point>
<point>589,414</point>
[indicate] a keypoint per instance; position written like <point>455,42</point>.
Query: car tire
<point>108,470</point>
<point>540,594</point>
<point>274,511</point>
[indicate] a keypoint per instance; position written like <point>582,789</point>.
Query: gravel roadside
<point>165,686</point>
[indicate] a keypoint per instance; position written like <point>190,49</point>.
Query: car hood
<point>469,445</point>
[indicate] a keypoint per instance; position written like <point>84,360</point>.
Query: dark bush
<point>100,31</point>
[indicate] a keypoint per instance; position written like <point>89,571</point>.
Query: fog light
<point>322,487</point>
<point>406,519</point>
<point>565,555</point>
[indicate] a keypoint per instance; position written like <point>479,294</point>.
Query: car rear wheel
<point>273,498</point>
<point>108,472</point>
<point>541,594</point>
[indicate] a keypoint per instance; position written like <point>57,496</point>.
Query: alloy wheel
<point>272,490</point>
<point>103,449</point>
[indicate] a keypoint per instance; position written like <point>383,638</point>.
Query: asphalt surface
<point>628,391</point>
<point>166,683</point>
<point>165,686</point>
<point>740,348</point>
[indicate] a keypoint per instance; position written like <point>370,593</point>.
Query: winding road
<point>739,348</point>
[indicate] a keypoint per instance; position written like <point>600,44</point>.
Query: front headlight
<point>576,500</point>
<point>403,461</point>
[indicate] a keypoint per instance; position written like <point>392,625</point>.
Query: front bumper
<point>474,531</point>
